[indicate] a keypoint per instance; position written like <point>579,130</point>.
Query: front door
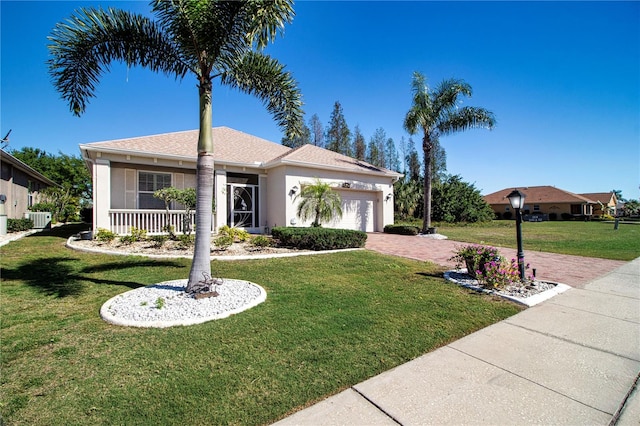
<point>243,206</point>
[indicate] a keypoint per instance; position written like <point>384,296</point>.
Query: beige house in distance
<point>549,200</point>
<point>256,182</point>
<point>20,184</point>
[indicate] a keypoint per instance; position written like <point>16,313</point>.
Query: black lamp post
<point>516,199</point>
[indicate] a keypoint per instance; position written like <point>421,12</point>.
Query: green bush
<point>236,234</point>
<point>105,236</point>
<point>158,240</point>
<point>185,241</point>
<point>401,229</point>
<point>566,216</point>
<point>223,242</point>
<point>19,225</point>
<point>319,238</point>
<point>553,216</point>
<point>261,241</point>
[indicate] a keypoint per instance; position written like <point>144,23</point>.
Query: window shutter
<point>130,182</point>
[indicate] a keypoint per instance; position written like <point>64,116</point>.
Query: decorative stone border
<point>527,301</point>
<point>182,310</point>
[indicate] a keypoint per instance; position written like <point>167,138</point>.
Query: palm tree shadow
<point>56,276</point>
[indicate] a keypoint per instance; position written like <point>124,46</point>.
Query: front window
<point>148,183</point>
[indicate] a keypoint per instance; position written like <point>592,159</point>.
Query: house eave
<point>394,175</point>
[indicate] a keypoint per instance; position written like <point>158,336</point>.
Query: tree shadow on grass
<point>62,231</point>
<point>57,276</point>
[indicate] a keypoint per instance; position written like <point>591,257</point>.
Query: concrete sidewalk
<point>574,359</point>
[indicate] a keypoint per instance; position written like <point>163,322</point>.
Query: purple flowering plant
<point>485,264</point>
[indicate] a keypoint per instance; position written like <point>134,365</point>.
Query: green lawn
<point>592,239</point>
<point>329,321</point>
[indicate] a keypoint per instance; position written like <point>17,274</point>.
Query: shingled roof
<point>602,197</point>
<point>234,147</point>
<point>538,195</point>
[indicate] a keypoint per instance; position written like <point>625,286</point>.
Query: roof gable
<point>229,146</point>
<point>311,155</point>
<point>234,147</point>
<point>602,197</point>
<point>538,195</point>
<point>25,168</point>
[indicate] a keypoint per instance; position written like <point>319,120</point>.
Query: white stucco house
<point>256,182</point>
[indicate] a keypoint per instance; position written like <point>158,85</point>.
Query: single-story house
<point>20,184</point>
<point>606,202</point>
<point>256,182</point>
<point>549,200</point>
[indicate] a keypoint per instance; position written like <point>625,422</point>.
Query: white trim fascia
<point>146,154</point>
<point>332,168</point>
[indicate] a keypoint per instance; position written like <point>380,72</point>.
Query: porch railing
<point>153,221</point>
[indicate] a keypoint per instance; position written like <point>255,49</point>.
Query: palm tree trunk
<point>201,263</point>
<point>426,219</point>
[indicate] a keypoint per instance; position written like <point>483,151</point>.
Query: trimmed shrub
<point>158,240</point>
<point>566,216</point>
<point>401,229</point>
<point>507,215</point>
<point>553,216</point>
<point>185,241</point>
<point>19,225</point>
<point>319,238</point>
<point>105,235</point>
<point>261,241</point>
<point>223,242</point>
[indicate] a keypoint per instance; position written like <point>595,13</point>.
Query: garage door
<point>359,211</point>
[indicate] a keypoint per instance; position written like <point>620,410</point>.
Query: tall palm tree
<point>320,202</point>
<point>207,39</point>
<point>436,113</point>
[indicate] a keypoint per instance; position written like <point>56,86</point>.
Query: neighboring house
<point>549,200</point>
<point>606,202</point>
<point>21,185</point>
<point>256,182</point>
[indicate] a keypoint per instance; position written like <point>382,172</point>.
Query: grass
<point>591,239</point>
<point>329,322</point>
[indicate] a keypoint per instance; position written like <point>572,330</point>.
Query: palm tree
<point>436,113</point>
<point>319,201</point>
<point>207,39</point>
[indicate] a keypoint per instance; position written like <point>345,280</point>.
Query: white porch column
<point>263,217</point>
<point>101,193</point>
<point>220,196</point>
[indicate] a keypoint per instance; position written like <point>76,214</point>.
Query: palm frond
<point>84,47</point>
<point>264,77</point>
<point>466,118</point>
<point>447,94</point>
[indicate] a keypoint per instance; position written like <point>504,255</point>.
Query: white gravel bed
<point>166,304</point>
<point>528,295</point>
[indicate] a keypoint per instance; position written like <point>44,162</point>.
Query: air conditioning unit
<point>41,220</point>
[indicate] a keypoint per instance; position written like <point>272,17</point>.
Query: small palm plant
<point>320,202</point>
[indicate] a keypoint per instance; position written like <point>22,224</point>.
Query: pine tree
<point>338,135</point>
<point>391,155</point>
<point>317,131</point>
<point>302,139</point>
<point>359,145</point>
<point>375,153</point>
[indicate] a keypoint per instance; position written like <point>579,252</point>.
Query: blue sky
<point>563,79</point>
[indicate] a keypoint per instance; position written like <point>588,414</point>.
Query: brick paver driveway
<point>571,270</point>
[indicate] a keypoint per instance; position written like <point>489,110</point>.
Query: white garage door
<point>359,211</point>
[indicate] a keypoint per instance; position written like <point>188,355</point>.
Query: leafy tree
<point>338,134</point>
<point>436,113</point>
<point>631,208</point>
<point>359,144</point>
<point>203,39</point>
<point>299,140</point>
<point>68,171</point>
<point>413,162</point>
<point>458,201</point>
<point>407,198</point>
<point>317,131</point>
<point>320,202</point>
<point>618,194</point>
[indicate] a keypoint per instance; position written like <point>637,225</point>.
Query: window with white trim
<point>536,207</point>
<point>148,183</point>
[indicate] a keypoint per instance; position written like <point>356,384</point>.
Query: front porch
<point>153,221</point>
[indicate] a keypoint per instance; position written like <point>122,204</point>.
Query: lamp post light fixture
<point>516,199</point>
